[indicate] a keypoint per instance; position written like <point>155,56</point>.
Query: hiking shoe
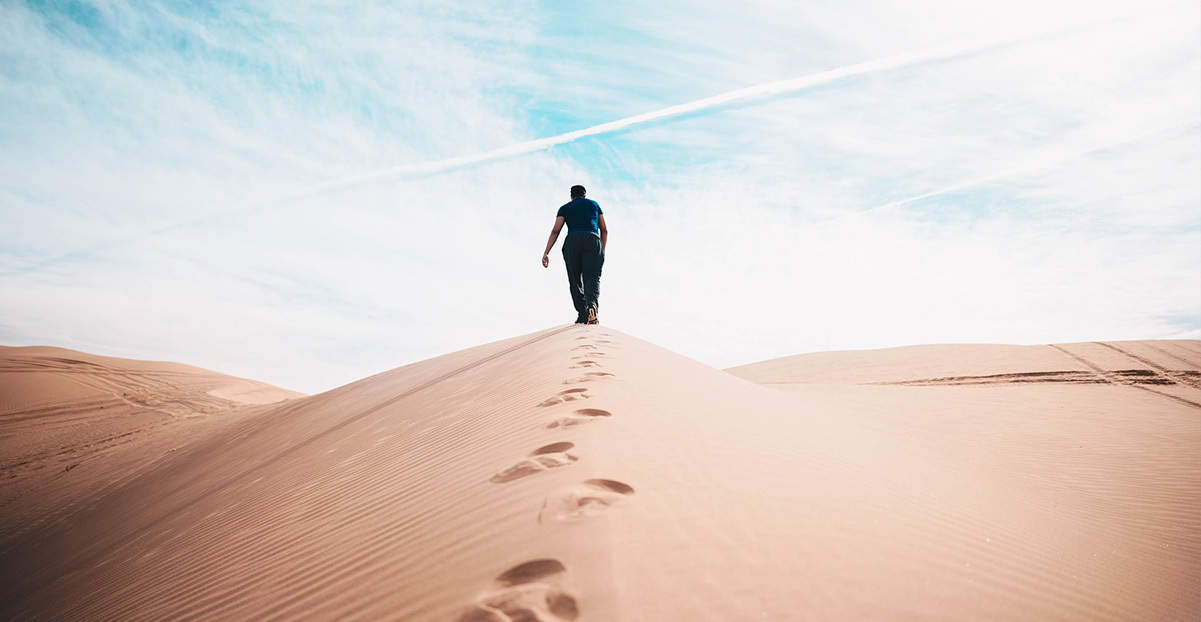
<point>592,316</point>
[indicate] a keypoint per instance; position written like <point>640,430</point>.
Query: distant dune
<point>580,473</point>
<point>61,409</point>
<point>1164,366</point>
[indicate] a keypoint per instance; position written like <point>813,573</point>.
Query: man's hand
<point>550,242</point>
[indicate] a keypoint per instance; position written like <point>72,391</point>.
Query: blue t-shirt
<point>582,215</point>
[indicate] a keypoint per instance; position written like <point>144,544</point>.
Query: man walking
<point>583,251</point>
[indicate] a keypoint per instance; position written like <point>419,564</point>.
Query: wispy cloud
<point>742,96</point>
<point>1046,159</point>
<point>1039,204</point>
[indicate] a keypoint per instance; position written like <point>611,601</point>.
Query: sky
<point>311,193</point>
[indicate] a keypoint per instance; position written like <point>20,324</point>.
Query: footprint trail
<point>581,416</point>
<point>529,592</point>
<point>588,377</point>
<point>568,395</point>
<point>546,457</point>
<point>584,500</point>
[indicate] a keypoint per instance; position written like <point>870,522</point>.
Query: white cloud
<point>737,235</point>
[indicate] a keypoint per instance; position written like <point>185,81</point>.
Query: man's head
<point>577,191</point>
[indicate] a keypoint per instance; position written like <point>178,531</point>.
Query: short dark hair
<point>578,191</point>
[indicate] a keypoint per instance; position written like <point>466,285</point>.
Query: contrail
<point>746,95</point>
<point>742,96</point>
<point>756,93</point>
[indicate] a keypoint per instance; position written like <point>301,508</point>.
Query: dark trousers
<point>583,257</point>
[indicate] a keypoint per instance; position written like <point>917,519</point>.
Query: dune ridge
<point>579,473</point>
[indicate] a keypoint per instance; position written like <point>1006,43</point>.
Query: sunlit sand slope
<point>582,474</point>
<point>1160,362</point>
<point>71,422</point>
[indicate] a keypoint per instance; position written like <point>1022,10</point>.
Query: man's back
<point>583,251</point>
<point>582,216</point>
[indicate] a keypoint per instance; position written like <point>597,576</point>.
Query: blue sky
<point>162,166</point>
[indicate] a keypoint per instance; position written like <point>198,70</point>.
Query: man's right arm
<point>604,229</point>
<point>550,243</point>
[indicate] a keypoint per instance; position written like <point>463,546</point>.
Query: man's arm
<point>554,235</point>
<point>604,233</point>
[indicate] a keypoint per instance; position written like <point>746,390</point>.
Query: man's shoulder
<point>582,202</point>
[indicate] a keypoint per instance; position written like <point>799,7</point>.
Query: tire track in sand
<point>1160,370</point>
<point>1161,349</point>
<point>1111,379</point>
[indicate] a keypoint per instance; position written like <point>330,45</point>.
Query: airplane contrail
<point>755,93</point>
<point>758,92</point>
<point>745,95</point>
<point>742,96</point>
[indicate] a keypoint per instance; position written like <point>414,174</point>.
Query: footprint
<point>588,354</point>
<point>541,459</point>
<point>588,377</point>
<point>569,395</point>
<point>553,448</point>
<point>583,415</point>
<point>528,592</point>
<point>585,363</point>
<point>583,500</point>
<point>584,346</point>
<point>530,571</point>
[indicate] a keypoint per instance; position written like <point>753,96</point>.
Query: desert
<point>580,473</point>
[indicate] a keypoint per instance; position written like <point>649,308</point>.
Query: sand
<point>580,473</point>
<point>61,410</point>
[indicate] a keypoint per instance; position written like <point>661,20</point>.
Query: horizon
<point>550,328</point>
<point>300,197</point>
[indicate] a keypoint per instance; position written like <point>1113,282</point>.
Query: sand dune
<point>61,410</point>
<point>579,473</point>
<point>935,363</point>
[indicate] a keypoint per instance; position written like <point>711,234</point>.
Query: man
<point>583,251</point>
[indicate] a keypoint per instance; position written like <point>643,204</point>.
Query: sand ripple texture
<point>579,473</point>
<point>73,425</point>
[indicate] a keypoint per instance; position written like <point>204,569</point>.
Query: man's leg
<point>571,259</point>
<point>592,261</point>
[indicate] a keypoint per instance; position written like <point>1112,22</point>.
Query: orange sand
<point>62,410</point>
<point>582,474</point>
